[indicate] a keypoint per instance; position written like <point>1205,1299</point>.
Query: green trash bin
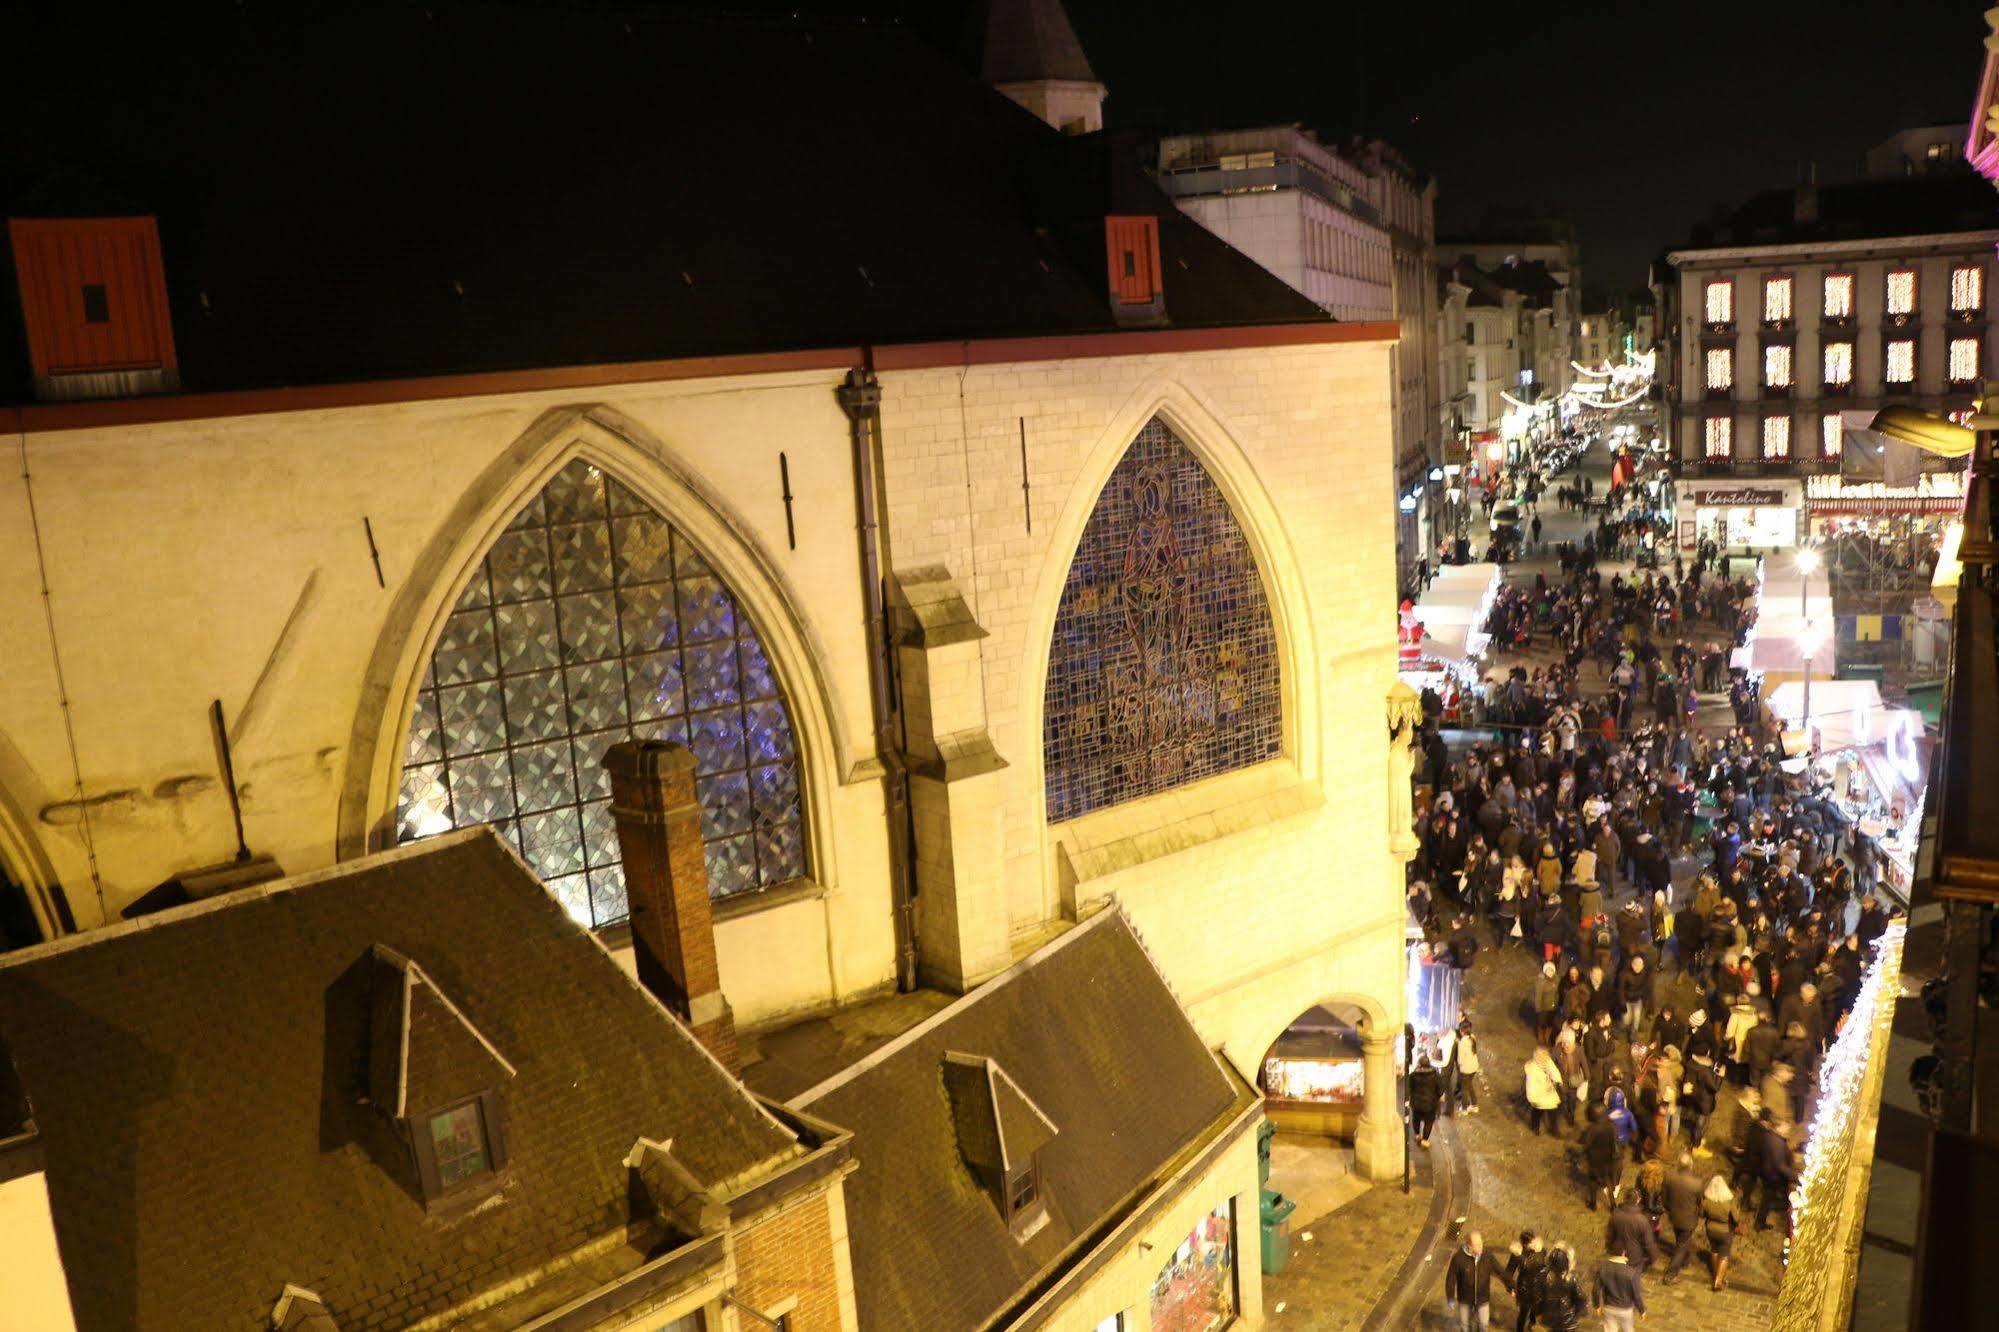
<point>1277,1211</point>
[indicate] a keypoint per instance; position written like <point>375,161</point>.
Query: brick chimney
<point>666,880</point>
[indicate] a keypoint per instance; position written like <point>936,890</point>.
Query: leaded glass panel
<point>593,620</point>
<point>1163,668</point>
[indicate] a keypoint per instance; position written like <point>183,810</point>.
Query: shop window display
<point>593,620</point>
<point>1195,1291</point>
<point>1163,665</point>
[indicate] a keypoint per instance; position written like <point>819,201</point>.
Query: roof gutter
<point>169,407</point>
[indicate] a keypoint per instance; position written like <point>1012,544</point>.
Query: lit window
<point>1720,301</point>
<point>1832,434</point>
<point>1719,436</point>
<point>1902,291</point>
<point>1839,295</point>
<point>458,1141</point>
<point>1967,289</point>
<point>594,620</point>
<point>1838,364</point>
<point>1720,368</point>
<point>1964,360</point>
<point>1901,361</point>
<point>1162,669</point>
<point>1777,365</point>
<point>1776,436</point>
<point>1776,299</point>
<point>1196,1287</point>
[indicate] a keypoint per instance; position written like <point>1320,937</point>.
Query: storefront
<point>1761,515</point>
<point>1196,1289</point>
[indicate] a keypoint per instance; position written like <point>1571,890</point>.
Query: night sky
<point>1632,120</point>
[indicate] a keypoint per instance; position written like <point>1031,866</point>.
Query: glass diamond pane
<point>527,637</point>
<point>465,650</point>
<point>592,782</point>
<point>553,843</point>
<point>645,550</point>
<point>705,610</point>
<point>649,616</point>
<point>426,745</point>
<point>725,804</point>
<point>781,852</point>
<point>481,789</point>
<point>519,562</point>
<point>769,731</point>
<point>543,778</point>
<point>596,695</point>
<point>758,680</point>
<point>686,559</point>
<point>589,627</point>
<point>529,516</point>
<point>731,866</point>
<point>711,675</point>
<point>470,718</point>
<point>673,730</point>
<point>623,501</point>
<point>575,493</point>
<point>717,741</point>
<point>573,891</point>
<point>535,708</point>
<point>582,556</point>
<point>600,835</point>
<point>655,686</point>
<point>477,592</point>
<point>774,790</point>
<point>608,903</point>
<point>425,806</point>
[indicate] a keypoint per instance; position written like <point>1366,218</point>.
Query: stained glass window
<point>1163,668</point>
<point>593,620</point>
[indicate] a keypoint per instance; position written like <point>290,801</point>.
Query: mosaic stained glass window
<point>1163,669</point>
<point>593,620</point>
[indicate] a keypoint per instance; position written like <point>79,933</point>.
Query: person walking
<point>1601,1156</point>
<point>1721,1220</point>
<point>1629,1232</point>
<point>1619,1293</point>
<point>1562,1303</point>
<point>1468,1285</point>
<point>1468,1068</point>
<point>1426,1092</point>
<point>1522,1276</point>
<point>1544,1090</point>
<point>1683,1213</point>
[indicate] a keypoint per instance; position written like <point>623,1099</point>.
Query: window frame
<point>1826,381</point>
<point>1825,281</point>
<point>1707,287</point>
<point>1966,312</point>
<point>1771,419</point>
<point>1790,366</point>
<point>1832,443</point>
<point>424,1150</point>
<point>1708,362</point>
<point>1022,1217</point>
<point>1977,359</point>
<point>1888,346</point>
<point>1789,282</point>
<point>1727,451</point>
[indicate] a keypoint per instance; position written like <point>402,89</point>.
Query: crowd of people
<point>1679,1027</point>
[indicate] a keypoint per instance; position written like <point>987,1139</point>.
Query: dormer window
<point>436,1076</point>
<point>1001,1133</point>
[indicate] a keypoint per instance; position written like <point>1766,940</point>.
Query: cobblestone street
<point>1352,1260</point>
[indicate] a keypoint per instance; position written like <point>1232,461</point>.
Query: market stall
<point>1452,617</point>
<point>1758,515</point>
<point>1312,1077</point>
<point>1871,759</point>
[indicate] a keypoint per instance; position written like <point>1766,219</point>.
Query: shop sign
<point>1737,497</point>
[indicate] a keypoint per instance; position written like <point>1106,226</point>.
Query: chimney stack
<point>1805,198</point>
<point>666,880</point>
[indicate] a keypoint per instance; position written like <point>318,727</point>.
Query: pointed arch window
<point>593,620</point>
<point>1163,668</point>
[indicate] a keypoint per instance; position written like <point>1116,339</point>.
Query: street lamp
<point>1810,640</point>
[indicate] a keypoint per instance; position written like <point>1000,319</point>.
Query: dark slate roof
<point>1091,1034</point>
<point>1028,40</point>
<point>1859,210</point>
<point>378,191</point>
<point>195,1076</point>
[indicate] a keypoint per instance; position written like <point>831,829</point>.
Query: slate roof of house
<point>1859,210</point>
<point>1092,1035</point>
<point>377,191</point>
<point>1028,40</point>
<point>195,1075</point>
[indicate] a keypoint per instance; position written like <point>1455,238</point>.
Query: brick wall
<point>794,1254</point>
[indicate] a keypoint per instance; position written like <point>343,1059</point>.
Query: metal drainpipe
<point>860,398</point>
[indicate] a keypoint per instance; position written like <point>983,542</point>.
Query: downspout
<point>860,398</point>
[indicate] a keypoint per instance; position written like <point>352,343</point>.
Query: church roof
<point>1030,40</point>
<point>389,191</point>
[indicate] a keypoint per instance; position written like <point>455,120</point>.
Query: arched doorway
<point>1313,1077</point>
<point>1330,1089</point>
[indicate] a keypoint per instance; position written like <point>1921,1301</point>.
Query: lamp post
<point>1808,564</point>
<point>1809,643</point>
